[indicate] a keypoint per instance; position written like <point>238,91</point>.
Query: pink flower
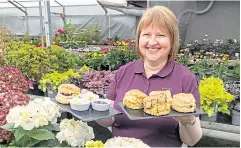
<point>61,30</point>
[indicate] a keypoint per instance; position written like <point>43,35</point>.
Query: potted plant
<point>50,82</point>
<point>233,86</point>
<point>213,98</point>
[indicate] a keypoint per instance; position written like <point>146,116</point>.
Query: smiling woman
<point>157,41</point>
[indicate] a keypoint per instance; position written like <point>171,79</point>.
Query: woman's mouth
<point>153,49</point>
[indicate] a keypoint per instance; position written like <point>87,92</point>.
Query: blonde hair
<point>166,19</point>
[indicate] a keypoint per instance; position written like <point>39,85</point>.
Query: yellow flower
<point>95,54</point>
<point>123,48</point>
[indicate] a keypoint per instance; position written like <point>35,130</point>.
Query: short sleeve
<point>111,94</point>
<point>191,86</point>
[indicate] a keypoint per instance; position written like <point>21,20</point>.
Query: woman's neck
<point>153,68</point>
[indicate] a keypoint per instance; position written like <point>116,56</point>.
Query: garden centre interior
<point>47,43</point>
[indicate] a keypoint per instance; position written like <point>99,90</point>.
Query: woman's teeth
<point>153,49</point>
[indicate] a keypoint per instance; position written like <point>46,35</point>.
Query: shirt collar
<point>165,71</point>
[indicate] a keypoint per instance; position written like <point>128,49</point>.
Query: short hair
<point>165,18</point>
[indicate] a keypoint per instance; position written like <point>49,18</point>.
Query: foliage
<point>33,123</point>
<point>32,61</point>
<point>35,62</point>
<point>218,49</point>
<point>212,91</point>
<point>220,70</point>
<point>64,60</point>
<point>200,68</point>
<point>6,35</point>
<point>73,44</point>
<point>55,79</point>
<point>72,32</point>
<point>112,60</point>
<point>183,59</point>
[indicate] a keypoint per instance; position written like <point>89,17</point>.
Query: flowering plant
<point>212,91</point>
<point>33,123</point>
<point>75,133</point>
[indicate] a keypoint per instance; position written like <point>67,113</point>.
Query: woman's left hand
<point>185,119</point>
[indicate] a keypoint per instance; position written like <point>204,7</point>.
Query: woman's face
<point>154,44</point>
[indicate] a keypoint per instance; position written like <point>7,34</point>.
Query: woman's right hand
<point>107,122</point>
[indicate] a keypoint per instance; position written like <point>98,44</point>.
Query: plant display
<point>12,79</point>
<point>55,79</point>
<point>74,33</point>
<point>218,49</point>
<point>35,62</point>
<point>32,61</point>
<point>32,123</point>
<point>233,87</point>
<point>9,100</point>
<point>212,91</point>
<point>64,60</point>
<point>201,68</point>
<point>112,60</point>
<point>6,35</point>
<point>97,81</point>
<point>75,133</point>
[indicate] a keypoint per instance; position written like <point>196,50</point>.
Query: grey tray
<point>88,115</point>
<point>140,114</point>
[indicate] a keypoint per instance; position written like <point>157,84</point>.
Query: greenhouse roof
<point>34,3</point>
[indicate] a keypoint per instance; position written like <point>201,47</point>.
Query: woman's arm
<point>192,134</point>
<point>107,121</point>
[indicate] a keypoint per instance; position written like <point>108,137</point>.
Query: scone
<point>184,103</point>
<point>134,99</point>
<point>161,92</point>
<point>157,105</point>
<point>66,92</point>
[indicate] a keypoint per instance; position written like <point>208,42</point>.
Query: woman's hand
<point>184,119</point>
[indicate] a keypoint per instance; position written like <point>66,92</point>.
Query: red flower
<point>61,30</point>
<point>38,45</point>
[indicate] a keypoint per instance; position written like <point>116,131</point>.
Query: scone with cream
<point>184,103</point>
<point>66,92</point>
<point>157,105</point>
<point>134,99</point>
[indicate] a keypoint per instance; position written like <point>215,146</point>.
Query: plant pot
<point>50,92</point>
<point>235,117</point>
<point>36,91</point>
<point>213,117</point>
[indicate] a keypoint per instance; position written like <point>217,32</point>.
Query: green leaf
<point>19,133</point>
<point>51,127</point>
<point>8,127</point>
<point>32,142</point>
<point>41,134</point>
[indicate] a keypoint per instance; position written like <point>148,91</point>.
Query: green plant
<point>221,71</point>
<point>55,79</point>
<point>32,61</point>
<point>183,59</point>
<point>64,60</point>
<point>212,91</point>
<point>200,68</point>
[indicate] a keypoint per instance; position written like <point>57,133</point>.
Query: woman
<point>157,41</point>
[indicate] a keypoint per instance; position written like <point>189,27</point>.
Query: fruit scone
<point>184,103</point>
<point>167,92</point>
<point>134,99</point>
<point>157,104</point>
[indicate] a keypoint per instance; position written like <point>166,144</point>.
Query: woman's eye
<point>161,35</point>
<point>145,34</point>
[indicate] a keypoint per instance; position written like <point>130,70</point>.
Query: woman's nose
<point>152,41</point>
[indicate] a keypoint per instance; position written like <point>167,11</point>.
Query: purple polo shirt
<point>161,132</point>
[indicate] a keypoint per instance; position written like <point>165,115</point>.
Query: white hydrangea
<point>38,112</point>
<point>123,142</point>
<point>75,133</point>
